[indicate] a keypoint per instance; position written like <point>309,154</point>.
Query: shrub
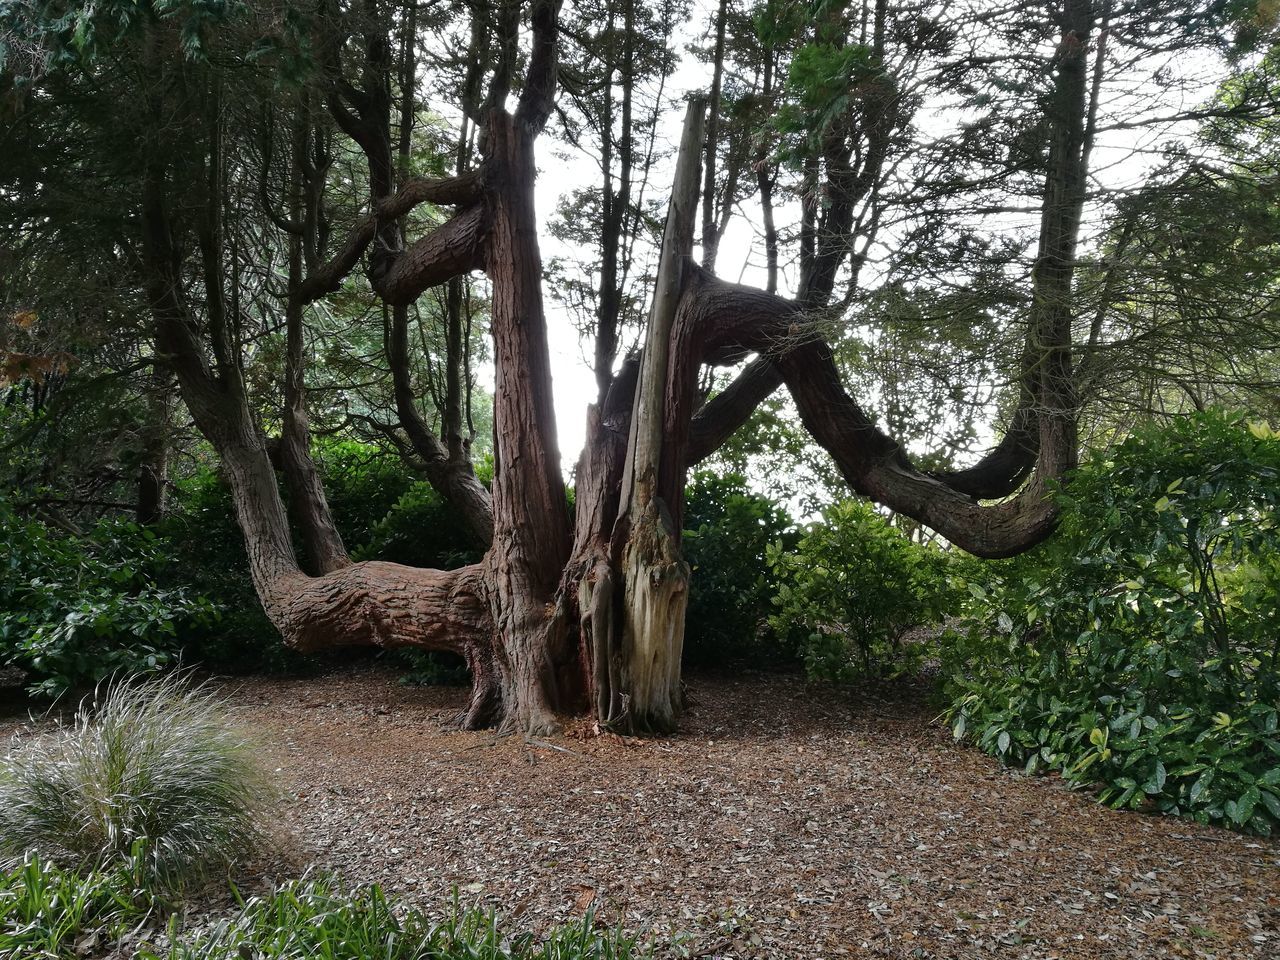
<point>850,588</point>
<point>74,610</point>
<point>420,530</point>
<point>728,531</point>
<point>152,762</point>
<point>362,483</point>
<point>1138,648</point>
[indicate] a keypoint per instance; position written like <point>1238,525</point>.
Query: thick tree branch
<point>1004,468</point>
<point>454,248</point>
<point>461,190</point>
<point>538,96</point>
<point>723,414</point>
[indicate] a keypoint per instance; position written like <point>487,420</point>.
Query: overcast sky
<point>1122,158</point>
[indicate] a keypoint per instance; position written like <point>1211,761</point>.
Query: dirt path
<point>777,824</point>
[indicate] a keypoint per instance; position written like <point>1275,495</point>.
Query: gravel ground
<point>783,821</point>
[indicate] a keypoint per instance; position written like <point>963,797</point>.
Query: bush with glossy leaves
<point>850,589</point>
<point>1138,649</point>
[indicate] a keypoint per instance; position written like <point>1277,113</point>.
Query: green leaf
<point>1243,808</point>
<point>1271,802</point>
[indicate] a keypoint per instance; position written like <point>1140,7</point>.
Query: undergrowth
<point>47,913</point>
<point>147,764</point>
<point>1138,650</point>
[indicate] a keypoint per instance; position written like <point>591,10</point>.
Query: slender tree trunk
<point>153,474</point>
<point>710,233</point>
<point>320,537</point>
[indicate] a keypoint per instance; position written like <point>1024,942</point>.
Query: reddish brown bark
<point>555,618</point>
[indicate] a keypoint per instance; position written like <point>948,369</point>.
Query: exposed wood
<point>654,576</point>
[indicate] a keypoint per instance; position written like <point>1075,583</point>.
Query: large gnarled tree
<point>566,613</point>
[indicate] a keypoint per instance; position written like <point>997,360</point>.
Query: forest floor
<point>782,821</point>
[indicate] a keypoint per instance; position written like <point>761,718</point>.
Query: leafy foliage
<point>74,610</point>
<point>148,765</point>
<point>1138,649</point>
<point>849,589</point>
<point>50,912</point>
<point>729,530</point>
<point>421,530</point>
<point>315,919</point>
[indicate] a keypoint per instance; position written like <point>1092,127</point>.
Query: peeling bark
<point>557,618</point>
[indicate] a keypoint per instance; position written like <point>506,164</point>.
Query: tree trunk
<point>530,511</point>
<point>554,619</point>
<point>153,473</point>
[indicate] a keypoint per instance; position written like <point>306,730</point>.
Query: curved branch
<point>876,467</point>
<point>454,248</point>
<point>454,478</point>
<point>327,278</point>
<point>872,462</point>
<point>1006,466</point>
<point>723,414</point>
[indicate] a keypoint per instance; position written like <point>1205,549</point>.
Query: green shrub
<point>314,919</point>
<point>1138,649</point>
<point>207,553</point>
<point>150,761</point>
<point>49,912</point>
<point>74,610</point>
<point>728,531</point>
<point>362,483</point>
<point>850,588</point>
<point>420,530</point>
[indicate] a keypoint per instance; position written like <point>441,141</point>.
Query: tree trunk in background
<point>320,538</point>
<point>153,473</point>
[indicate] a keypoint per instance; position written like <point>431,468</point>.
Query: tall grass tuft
<point>148,764</point>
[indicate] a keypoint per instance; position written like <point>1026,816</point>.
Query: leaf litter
<point>784,820</point>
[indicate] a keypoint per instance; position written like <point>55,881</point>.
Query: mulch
<point>784,820</point>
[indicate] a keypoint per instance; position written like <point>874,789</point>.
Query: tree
<point>563,614</point>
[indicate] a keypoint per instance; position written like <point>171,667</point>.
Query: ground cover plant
<point>148,768</point>
<point>315,919</point>
<point>1138,649</point>
<point>48,912</point>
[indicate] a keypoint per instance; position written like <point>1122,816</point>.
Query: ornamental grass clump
<point>147,764</point>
